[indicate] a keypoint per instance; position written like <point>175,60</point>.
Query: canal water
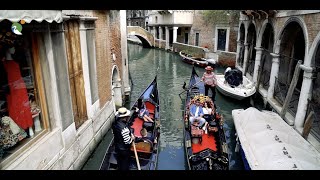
<point>171,74</point>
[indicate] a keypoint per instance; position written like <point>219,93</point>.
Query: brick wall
<point>196,51</point>
<point>311,21</point>
<point>207,33</point>
<point>205,30</point>
<point>159,43</point>
<point>313,26</point>
<point>115,39</point>
<point>227,59</point>
<point>233,35</point>
<point>103,63</point>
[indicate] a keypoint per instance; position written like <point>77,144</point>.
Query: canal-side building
<point>178,30</point>
<point>137,18</point>
<point>61,81</point>
<point>170,26</point>
<point>270,44</point>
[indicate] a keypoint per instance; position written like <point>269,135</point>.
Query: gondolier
<point>210,82</point>
<point>145,152</point>
<point>204,151</point>
<point>122,138</point>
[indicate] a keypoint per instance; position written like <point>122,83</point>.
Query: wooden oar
<point>136,155</point>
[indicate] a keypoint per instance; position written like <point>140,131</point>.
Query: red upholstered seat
<point>151,107</point>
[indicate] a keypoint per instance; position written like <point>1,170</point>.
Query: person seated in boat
<point>226,74</point>
<point>208,111</point>
<point>196,113</point>
<point>143,112</point>
<point>208,115</point>
<point>144,135</point>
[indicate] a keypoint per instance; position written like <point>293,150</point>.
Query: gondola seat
<point>143,146</point>
<point>212,127</point>
<point>196,132</point>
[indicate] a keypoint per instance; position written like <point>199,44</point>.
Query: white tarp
<point>29,15</point>
<point>269,143</point>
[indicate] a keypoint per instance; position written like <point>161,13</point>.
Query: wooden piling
<point>291,89</point>
<point>307,125</point>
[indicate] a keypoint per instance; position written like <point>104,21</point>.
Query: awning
<point>29,15</point>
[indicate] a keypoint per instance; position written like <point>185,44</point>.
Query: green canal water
<point>172,73</point>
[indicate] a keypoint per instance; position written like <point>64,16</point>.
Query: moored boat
<point>267,142</point>
<point>146,149</point>
<point>201,62</point>
<point>205,150</point>
<point>242,91</point>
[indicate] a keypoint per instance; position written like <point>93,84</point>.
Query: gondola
<point>147,150</point>
<point>201,62</point>
<point>204,150</point>
<point>266,142</point>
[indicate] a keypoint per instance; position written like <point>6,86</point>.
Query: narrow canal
<point>172,73</point>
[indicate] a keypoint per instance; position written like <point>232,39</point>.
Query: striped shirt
<point>125,132</point>
<point>209,79</point>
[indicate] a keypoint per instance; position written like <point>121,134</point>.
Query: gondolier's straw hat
<point>123,112</point>
<point>208,68</point>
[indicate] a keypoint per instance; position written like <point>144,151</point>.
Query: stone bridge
<point>145,37</point>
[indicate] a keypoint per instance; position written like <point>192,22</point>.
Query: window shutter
<point>72,40</point>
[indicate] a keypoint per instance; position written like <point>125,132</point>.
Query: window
<point>92,64</point>
<point>23,113</point>
<point>61,71</point>
<point>186,38</point>
<point>156,19</point>
<point>179,31</point>
<point>222,38</point>
<point>72,41</point>
<point>197,39</point>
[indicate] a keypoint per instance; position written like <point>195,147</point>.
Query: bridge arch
<point>145,37</point>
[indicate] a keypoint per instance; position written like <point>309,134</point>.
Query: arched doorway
<point>116,88</point>
<point>292,49</point>
<point>251,40</point>
<point>266,59</point>
<point>241,40</point>
<point>314,104</point>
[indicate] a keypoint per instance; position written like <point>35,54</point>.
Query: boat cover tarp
<point>269,143</point>
<point>233,77</point>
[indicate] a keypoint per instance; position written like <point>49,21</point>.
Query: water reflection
<point>172,73</point>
